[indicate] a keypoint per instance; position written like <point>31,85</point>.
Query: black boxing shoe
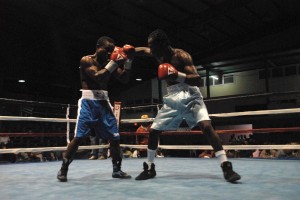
<point>63,172</point>
<point>147,173</point>
<point>118,173</point>
<point>62,175</point>
<point>229,174</point>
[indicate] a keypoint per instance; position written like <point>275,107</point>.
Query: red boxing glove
<point>167,71</point>
<point>130,52</point>
<point>118,56</point>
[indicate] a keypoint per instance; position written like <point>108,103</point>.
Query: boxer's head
<point>158,42</point>
<point>105,46</point>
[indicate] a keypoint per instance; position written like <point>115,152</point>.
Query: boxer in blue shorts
<point>182,102</point>
<point>94,108</point>
<point>96,111</point>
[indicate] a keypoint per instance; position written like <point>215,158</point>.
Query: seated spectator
<point>207,154</point>
<point>159,153</point>
<point>141,138</point>
<point>256,153</point>
<point>100,154</point>
<point>127,153</point>
<point>288,153</point>
<point>268,153</point>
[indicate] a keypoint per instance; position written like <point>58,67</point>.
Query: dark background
<point>43,41</point>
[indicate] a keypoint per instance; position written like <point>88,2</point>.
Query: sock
<point>150,155</point>
<point>221,156</point>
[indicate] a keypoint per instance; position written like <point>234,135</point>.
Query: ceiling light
<point>21,81</point>
<point>138,79</point>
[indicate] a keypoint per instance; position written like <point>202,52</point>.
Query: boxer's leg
<point>69,156</point>
<point>214,140</point>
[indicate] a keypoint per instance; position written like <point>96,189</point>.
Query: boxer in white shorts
<point>183,101</point>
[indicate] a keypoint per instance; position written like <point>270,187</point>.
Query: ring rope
<point>35,102</point>
<point>252,96</point>
<point>258,130</point>
<point>170,147</point>
<point>141,107</point>
<point>182,147</point>
<point>223,98</point>
<point>258,112</point>
<point>155,105</point>
<point>126,121</point>
<point>35,119</point>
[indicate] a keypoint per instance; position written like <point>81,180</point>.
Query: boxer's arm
<point>142,51</point>
<point>192,77</point>
<point>129,50</point>
<point>184,72</point>
<point>122,75</point>
<point>86,64</point>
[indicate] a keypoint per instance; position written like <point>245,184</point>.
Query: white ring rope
<point>258,112</point>
<point>170,147</point>
<point>35,119</point>
<point>34,102</point>
<point>178,147</point>
<point>127,121</point>
<point>270,94</point>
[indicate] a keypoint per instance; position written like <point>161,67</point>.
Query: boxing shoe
<point>62,175</point>
<point>147,173</point>
<point>63,172</point>
<point>229,174</point>
<point>118,173</point>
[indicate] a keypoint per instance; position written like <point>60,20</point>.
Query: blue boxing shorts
<point>182,102</point>
<point>95,112</point>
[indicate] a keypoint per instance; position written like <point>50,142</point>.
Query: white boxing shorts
<point>182,102</point>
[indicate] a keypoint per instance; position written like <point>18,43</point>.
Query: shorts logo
<point>170,71</point>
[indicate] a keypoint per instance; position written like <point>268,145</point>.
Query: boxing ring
<point>177,177</point>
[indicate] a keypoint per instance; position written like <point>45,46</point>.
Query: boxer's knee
<point>206,127</point>
<point>153,139</point>
<point>115,151</point>
<point>211,135</point>
<point>73,147</point>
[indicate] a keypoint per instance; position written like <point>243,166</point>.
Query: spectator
<point>141,137</point>
<point>100,154</point>
<point>207,154</point>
